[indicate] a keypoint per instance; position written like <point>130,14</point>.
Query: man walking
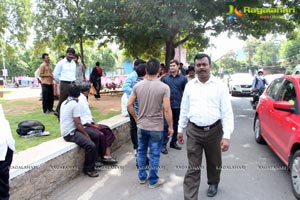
<point>153,99</point>
<point>65,74</point>
<point>207,115</point>
<point>47,79</point>
<point>176,81</point>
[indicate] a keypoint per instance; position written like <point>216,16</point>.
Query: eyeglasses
<point>202,64</point>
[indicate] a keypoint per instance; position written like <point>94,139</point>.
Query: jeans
<point>153,140</point>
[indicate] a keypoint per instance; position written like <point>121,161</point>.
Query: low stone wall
<point>37,171</point>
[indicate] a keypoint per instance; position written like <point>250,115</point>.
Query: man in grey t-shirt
<point>73,131</point>
<point>153,98</point>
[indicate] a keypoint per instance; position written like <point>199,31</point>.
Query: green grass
<point>35,113</point>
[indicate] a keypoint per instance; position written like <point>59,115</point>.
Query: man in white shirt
<point>72,130</point>
<point>65,74</point>
<point>7,147</point>
<point>206,114</point>
<point>106,135</point>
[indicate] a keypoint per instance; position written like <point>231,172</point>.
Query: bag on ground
<point>28,127</point>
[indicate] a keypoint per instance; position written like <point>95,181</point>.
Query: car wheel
<point>257,131</point>
<point>295,174</point>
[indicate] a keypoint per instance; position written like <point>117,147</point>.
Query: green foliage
<point>290,49</point>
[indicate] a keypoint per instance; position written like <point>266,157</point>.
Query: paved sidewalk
<point>120,182</point>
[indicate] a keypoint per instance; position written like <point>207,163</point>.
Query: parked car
<point>277,122</point>
<point>240,84</point>
<point>271,77</point>
<point>296,70</point>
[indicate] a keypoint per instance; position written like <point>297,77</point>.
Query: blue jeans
<point>153,140</point>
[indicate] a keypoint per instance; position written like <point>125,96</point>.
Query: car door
<point>283,123</point>
<point>266,108</point>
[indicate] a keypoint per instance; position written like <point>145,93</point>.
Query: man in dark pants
<point>7,146</point>
<point>47,79</point>
<point>73,131</point>
<point>176,82</point>
<point>127,88</point>
<point>65,73</point>
<point>206,113</point>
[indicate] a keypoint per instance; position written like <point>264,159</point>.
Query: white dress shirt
<point>205,103</point>
<point>65,71</point>
<point>85,112</point>
<point>6,139</point>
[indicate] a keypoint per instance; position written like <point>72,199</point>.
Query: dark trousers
<point>197,141</point>
<point>47,97</point>
<point>175,114</point>
<point>4,175</point>
<point>63,93</point>
<point>97,86</point>
<point>133,132</point>
<point>106,137</point>
<point>91,147</point>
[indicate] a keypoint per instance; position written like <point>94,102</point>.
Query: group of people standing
<point>76,121</point>
<point>163,106</point>
<point>67,70</point>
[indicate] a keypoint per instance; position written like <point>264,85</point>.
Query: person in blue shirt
<point>127,88</point>
<point>176,81</point>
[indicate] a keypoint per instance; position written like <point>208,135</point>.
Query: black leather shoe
<point>212,190</point>
<point>164,150</point>
<point>175,146</point>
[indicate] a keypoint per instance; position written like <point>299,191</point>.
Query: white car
<point>240,84</point>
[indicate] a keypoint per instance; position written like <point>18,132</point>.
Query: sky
<point>223,44</point>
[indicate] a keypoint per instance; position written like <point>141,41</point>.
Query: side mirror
<point>284,106</point>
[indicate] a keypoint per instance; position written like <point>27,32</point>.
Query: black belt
<point>207,128</point>
<point>67,82</point>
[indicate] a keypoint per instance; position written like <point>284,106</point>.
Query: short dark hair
<point>191,68</point>
<point>44,55</point>
<point>71,50</point>
<point>85,86</point>
<point>62,57</point>
<point>202,55</point>
<point>97,63</point>
<point>153,66</point>
<point>174,61</point>
<point>74,90</point>
<point>138,61</point>
<point>76,55</point>
<point>141,69</point>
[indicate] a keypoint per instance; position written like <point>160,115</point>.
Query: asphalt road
<point>250,172</point>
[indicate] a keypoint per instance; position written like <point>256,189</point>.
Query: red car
<point>277,122</point>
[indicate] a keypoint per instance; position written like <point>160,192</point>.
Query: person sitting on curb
<point>73,131</point>
<point>106,136</point>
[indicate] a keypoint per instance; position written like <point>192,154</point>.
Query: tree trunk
<point>81,50</point>
<point>170,52</point>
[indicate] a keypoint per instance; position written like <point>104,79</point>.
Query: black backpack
<point>26,126</point>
